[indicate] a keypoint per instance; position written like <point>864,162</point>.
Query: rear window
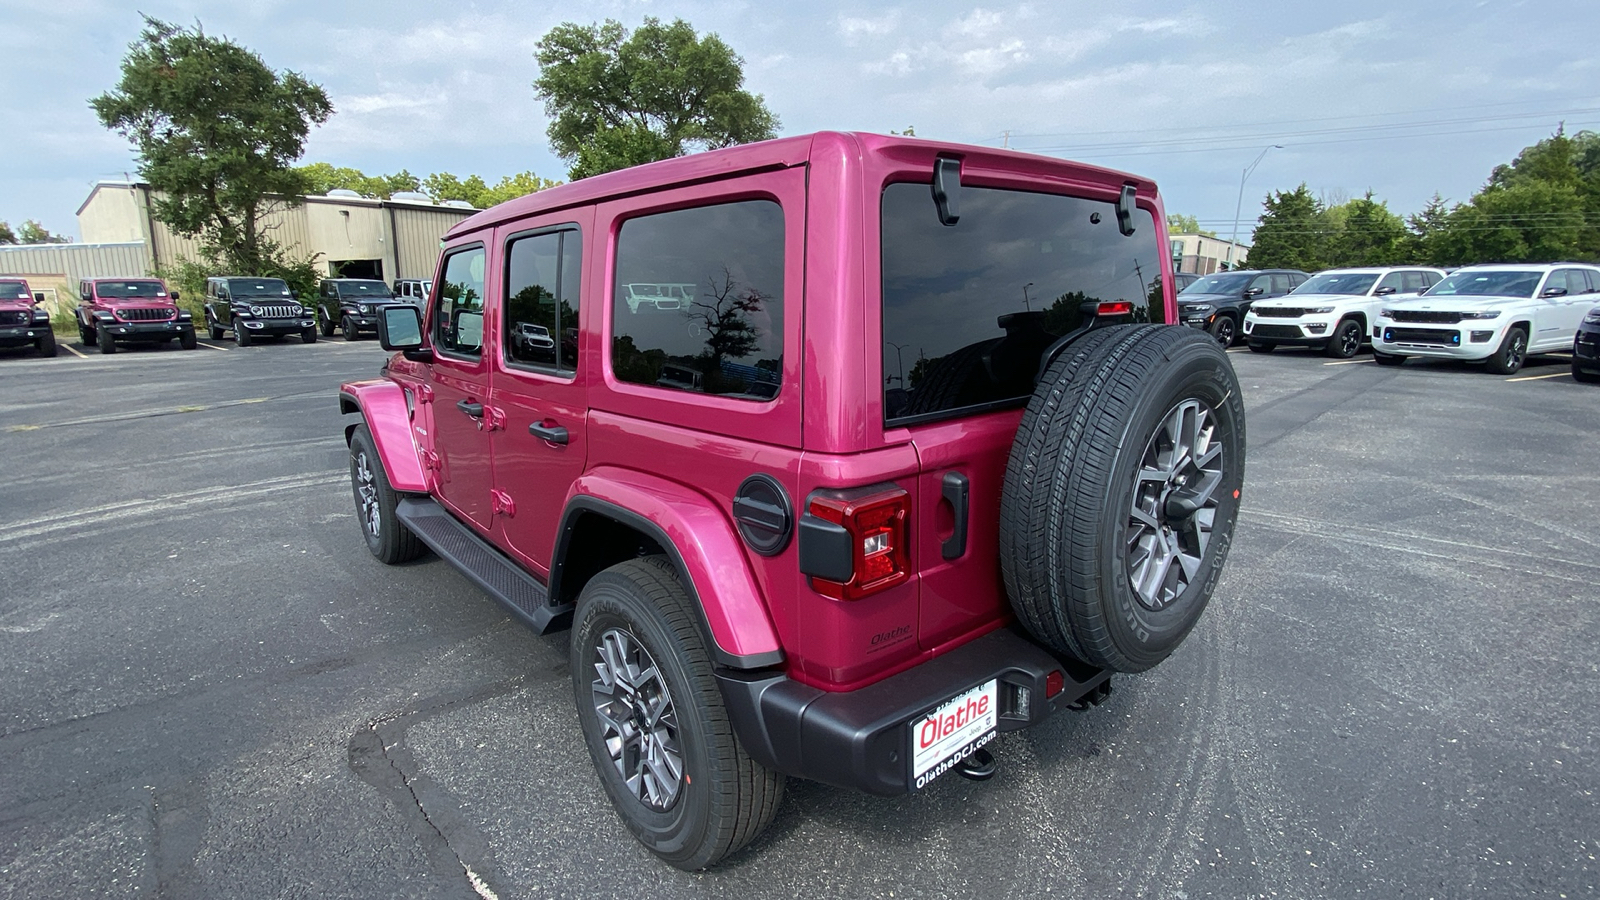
<point>969,309</point>
<point>110,289</point>
<point>699,300</point>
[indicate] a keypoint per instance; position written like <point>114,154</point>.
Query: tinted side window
<point>699,300</point>
<point>1576,283</point>
<point>1280,284</point>
<point>458,327</point>
<point>1395,281</point>
<point>541,320</point>
<point>968,309</point>
<point>1263,283</point>
<point>1412,282</point>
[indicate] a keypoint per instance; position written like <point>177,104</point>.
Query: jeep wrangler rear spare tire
<point>653,718</point>
<point>388,539</point>
<point>1121,493</point>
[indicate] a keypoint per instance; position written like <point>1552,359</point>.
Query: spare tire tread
<point>1051,533</point>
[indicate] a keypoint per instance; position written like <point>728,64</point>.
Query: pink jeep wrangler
<point>22,321</point>
<point>130,311</point>
<point>910,463</point>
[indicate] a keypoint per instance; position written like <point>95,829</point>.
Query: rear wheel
<point>388,539</point>
<point>1511,354</point>
<point>212,328</point>
<point>1346,340</point>
<point>1121,493</point>
<point>326,324</point>
<point>86,335</point>
<point>654,721</point>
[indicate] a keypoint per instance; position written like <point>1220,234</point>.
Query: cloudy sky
<point>1404,98</point>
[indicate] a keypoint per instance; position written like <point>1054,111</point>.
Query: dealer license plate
<point>953,732</point>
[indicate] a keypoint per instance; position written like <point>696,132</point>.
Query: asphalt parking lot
<point>212,690</point>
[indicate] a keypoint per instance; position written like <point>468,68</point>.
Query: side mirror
<point>1555,292</point>
<point>400,328</point>
<point>173,295</point>
<point>1383,292</point>
<point>1251,292</point>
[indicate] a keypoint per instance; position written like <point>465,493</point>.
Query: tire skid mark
<point>130,509</point>
<point>166,462</point>
<point>161,411</point>
<point>1527,563</point>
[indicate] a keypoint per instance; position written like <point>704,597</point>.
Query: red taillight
<point>879,537</point>
<point>1114,308</point>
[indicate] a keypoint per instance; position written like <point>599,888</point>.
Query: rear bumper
<point>862,739</point>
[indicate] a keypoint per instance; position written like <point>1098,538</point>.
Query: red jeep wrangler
<point>131,310</point>
<point>849,506</point>
<point>22,321</point>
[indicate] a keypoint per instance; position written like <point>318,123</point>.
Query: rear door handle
<point>555,434</point>
<point>474,410</point>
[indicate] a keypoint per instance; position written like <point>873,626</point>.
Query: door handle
<point>555,434</point>
<point>474,410</point>
<point>955,489</point>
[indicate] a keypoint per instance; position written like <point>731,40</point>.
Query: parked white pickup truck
<point>1497,314</point>
<point>1333,309</point>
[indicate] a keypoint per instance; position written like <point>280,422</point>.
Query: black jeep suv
<point>256,307</point>
<point>351,305</point>
<point>1217,303</point>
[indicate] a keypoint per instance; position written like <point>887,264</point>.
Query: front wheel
<point>188,341</point>
<point>1579,373</point>
<point>653,718</point>
<point>349,329</point>
<point>1224,330</point>
<point>388,539</point>
<point>1346,340</point>
<point>309,336</point>
<point>1262,347</point>
<point>1387,359</point>
<point>107,344</point>
<point>241,335</point>
<point>1512,353</point>
<point>46,345</point>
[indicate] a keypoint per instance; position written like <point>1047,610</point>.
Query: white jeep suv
<point>1498,314</point>
<point>1333,309</point>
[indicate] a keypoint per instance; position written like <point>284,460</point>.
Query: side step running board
<point>483,565</point>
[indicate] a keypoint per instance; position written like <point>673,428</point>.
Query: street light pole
<point>1239,206</point>
<point>900,363</point>
<point>1025,297</point>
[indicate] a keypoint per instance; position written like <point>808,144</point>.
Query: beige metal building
<point>1203,255</point>
<point>53,270</point>
<point>347,235</point>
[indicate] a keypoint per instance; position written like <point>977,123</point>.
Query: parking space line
<point>210,346</point>
<point>1345,362</point>
<point>1537,377</point>
<point>68,347</point>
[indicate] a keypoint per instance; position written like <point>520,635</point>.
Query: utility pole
<point>1005,140</point>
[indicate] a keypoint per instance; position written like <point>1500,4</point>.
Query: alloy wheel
<point>367,496</point>
<point>638,721</point>
<point>1175,498</point>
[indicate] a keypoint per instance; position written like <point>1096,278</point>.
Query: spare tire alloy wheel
<point>1174,504</point>
<point>1121,493</point>
<point>653,719</point>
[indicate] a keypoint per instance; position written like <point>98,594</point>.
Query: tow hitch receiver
<point>978,766</point>
<point>1096,696</point>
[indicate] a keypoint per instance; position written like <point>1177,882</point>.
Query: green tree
<point>1370,235</point>
<point>617,99</point>
<point>442,186</point>
<point>1543,206</point>
<point>216,131</point>
<point>323,177</point>
<point>1178,223</point>
<point>7,236</point>
<point>1425,227</point>
<point>1294,232</point>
